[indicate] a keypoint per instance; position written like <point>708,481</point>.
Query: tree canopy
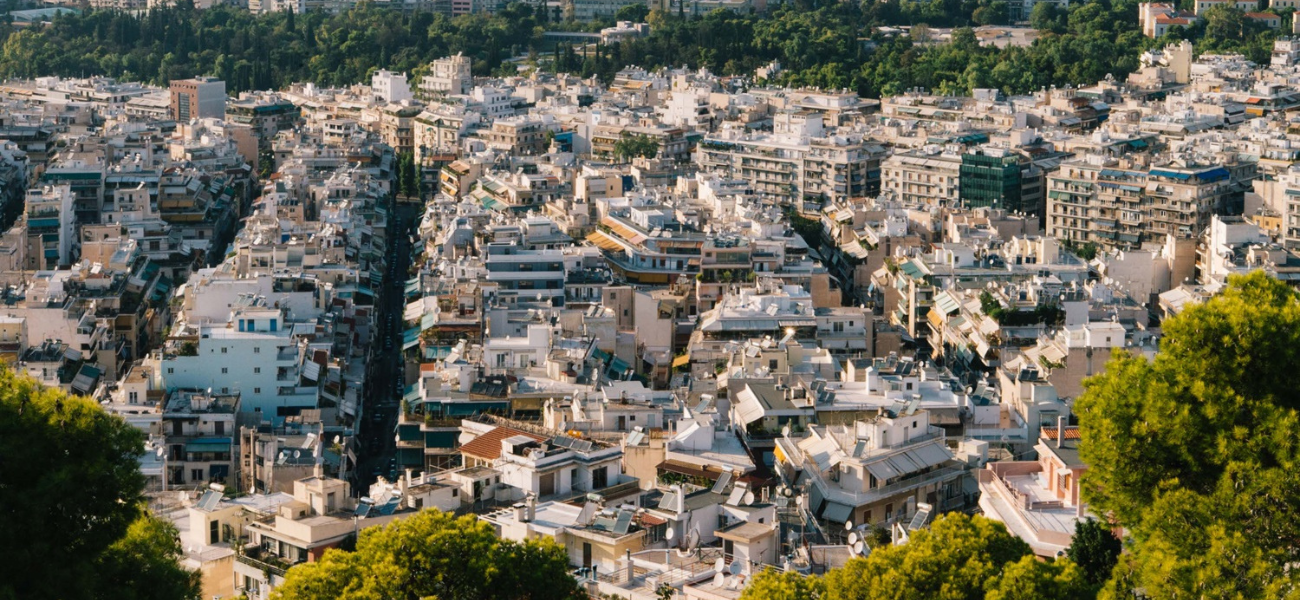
<point>1195,451</point>
<point>1095,549</point>
<point>71,491</point>
<point>957,558</point>
<point>632,146</point>
<point>828,45</point>
<point>435,555</point>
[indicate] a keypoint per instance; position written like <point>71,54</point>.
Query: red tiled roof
<point>1261,16</point>
<point>1071,433</point>
<point>488,445</point>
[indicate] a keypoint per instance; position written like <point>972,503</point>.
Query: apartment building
<point>198,98</point>
<point>448,76</point>
<point>253,354</point>
<point>876,471</point>
<point>800,159</point>
<point>1038,500</point>
<point>51,227</point>
<point>200,431</point>
<point>1116,207</point>
<point>927,177</point>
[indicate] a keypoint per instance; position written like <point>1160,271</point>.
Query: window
<point>257,370</point>
<point>257,390</point>
<point>196,475</point>
<point>225,370</point>
<point>223,349</point>
<point>214,532</point>
<point>257,349</point>
<point>135,397</point>
<point>772,364</point>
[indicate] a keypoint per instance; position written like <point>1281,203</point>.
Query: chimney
<point>1060,431</point>
<point>521,512</point>
<point>319,470</point>
<point>629,564</point>
<point>530,505</point>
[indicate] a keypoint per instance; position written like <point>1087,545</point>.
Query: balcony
<point>263,562</point>
<point>838,494</point>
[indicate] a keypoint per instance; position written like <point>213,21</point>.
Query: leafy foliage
<point>435,555</point>
<point>1095,549</point>
<point>771,584</point>
<point>1032,579</point>
<point>954,559</point>
<point>831,45</point>
<point>632,146</point>
<point>1195,452</point>
<point>142,565</point>
<point>958,558</point>
<point>71,490</point>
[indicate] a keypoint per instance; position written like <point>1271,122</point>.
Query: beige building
<point>925,178</point>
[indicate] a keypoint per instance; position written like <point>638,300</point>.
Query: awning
<point>837,513</point>
<point>690,470</point>
<point>882,470</point>
<point>814,498</point>
<point>681,360</point>
<point>208,445</point>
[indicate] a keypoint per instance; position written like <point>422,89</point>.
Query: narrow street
<point>386,383</point>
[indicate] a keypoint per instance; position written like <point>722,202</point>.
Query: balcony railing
<point>837,493</point>
<point>273,569</point>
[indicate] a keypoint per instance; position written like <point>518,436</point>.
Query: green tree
<point>1095,549</point>
<point>143,565</point>
<point>955,559</point>
<point>408,175</point>
<point>1046,17</point>
<point>1195,451</point>
<point>632,146</point>
<point>635,13</point>
<point>71,486</point>
<point>994,13</point>
<point>435,555</point>
<point>1032,579</point>
<point>773,584</point>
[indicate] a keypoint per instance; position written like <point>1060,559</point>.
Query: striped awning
<point>603,241</point>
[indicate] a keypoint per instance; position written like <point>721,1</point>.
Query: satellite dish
<point>720,564</point>
<point>787,492</point>
<point>859,547</point>
<point>785,431</point>
<point>798,501</point>
<point>182,496</point>
<point>719,579</point>
<point>853,537</point>
<point>692,539</point>
<point>670,534</point>
<point>297,453</point>
<point>748,498</point>
<point>848,524</point>
<point>735,567</point>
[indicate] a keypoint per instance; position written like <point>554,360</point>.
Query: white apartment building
<point>448,76</point>
<point>800,159</point>
<point>51,226</point>
<point>252,354</point>
<point>387,87</point>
